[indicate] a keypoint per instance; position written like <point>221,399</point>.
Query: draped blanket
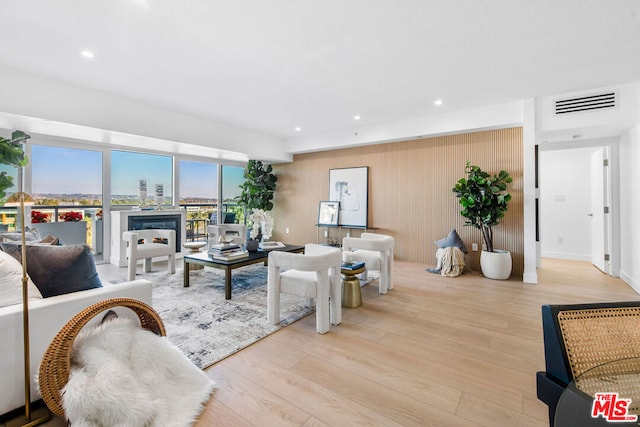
<point>452,259</point>
<point>124,375</point>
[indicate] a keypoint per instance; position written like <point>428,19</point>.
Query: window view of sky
<point>198,180</point>
<point>65,170</point>
<point>232,177</point>
<point>58,170</point>
<point>128,168</point>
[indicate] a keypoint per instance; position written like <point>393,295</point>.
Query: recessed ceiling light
<point>356,117</point>
<point>298,129</point>
<point>437,102</point>
<point>87,54</point>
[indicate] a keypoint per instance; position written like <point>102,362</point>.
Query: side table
<point>194,248</point>
<point>351,295</point>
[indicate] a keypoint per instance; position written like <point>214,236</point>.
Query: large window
<point>67,186</point>
<point>232,177</point>
<point>141,179</point>
<point>198,183</point>
<point>66,176</point>
<point>199,195</point>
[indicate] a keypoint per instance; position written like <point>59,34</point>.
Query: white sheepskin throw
<point>124,375</point>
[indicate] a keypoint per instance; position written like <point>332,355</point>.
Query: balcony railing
<point>198,218</point>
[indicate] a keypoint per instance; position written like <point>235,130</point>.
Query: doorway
<point>575,198</point>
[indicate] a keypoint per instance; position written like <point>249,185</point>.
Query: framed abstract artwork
<point>350,186</point>
<point>328,213</point>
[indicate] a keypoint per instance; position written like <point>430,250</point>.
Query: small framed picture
<point>328,213</point>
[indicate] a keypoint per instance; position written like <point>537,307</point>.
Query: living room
<point>121,101</point>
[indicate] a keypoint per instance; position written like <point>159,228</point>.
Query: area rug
<point>208,328</point>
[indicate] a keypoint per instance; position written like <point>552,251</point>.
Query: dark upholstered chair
<point>595,333</point>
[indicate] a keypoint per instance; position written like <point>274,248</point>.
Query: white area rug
<point>208,328</point>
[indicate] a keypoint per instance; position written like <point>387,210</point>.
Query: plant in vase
<point>484,199</point>
<point>256,196</point>
<point>261,226</point>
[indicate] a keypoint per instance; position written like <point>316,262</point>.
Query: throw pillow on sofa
<point>58,270</point>
<point>11,282</point>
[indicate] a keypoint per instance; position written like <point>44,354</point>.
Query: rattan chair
<point>55,367</point>
<point>582,339</point>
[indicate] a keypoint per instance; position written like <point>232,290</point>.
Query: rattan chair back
<point>593,337</point>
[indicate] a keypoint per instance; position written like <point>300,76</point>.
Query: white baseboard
<point>634,284</point>
<point>564,255</point>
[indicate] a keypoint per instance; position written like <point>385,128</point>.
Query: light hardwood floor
<point>434,351</point>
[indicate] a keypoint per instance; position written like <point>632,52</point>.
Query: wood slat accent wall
<point>410,193</point>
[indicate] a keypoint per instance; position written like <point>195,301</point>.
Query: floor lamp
<point>20,199</point>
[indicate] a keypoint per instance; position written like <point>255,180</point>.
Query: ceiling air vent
<point>586,103</point>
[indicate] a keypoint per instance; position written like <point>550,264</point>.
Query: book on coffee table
<point>223,248</point>
<point>230,256</point>
<point>265,246</point>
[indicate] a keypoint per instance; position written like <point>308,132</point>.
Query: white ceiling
<point>272,65</point>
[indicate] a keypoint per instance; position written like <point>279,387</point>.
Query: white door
<point>599,229</point>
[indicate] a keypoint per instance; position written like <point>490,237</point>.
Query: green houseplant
<point>258,186</point>
<point>484,199</point>
<point>11,154</point>
<point>257,194</point>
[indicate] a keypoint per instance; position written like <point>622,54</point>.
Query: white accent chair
<point>236,231</point>
<point>149,249</point>
<point>314,275</point>
<point>376,251</point>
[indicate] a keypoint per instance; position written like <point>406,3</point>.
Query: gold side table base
<point>351,295</point>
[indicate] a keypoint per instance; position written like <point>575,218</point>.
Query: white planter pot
<point>496,265</point>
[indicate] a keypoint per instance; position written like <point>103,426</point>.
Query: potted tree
<point>256,198</point>
<point>484,199</point>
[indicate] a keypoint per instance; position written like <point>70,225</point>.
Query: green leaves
<point>258,187</point>
<point>483,199</point>
<point>11,154</point>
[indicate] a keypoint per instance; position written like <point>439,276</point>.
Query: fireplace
<point>165,222</point>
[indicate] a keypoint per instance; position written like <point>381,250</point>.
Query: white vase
<point>496,265</point>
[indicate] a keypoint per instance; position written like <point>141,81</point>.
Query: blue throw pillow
<point>452,240</point>
<point>57,270</point>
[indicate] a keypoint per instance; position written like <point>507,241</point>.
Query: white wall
<point>565,201</point>
<point>630,207</point>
